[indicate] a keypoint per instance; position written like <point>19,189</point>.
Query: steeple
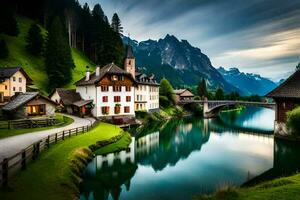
<point>129,63</point>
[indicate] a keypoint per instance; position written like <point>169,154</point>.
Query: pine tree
<point>219,94</point>
<point>3,49</point>
<point>116,24</point>
<point>59,60</point>
<point>35,40</point>
<point>8,22</point>
<point>202,90</point>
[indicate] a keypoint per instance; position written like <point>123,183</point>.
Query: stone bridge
<point>212,108</point>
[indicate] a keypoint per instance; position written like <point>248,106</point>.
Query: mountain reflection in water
<point>191,156</point>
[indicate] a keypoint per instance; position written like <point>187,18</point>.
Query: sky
<point>256,36</point>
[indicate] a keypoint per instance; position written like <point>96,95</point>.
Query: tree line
<point>69,25</point>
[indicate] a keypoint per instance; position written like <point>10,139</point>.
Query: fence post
<point>8,124</point>
<point>70,133</point>
<point>5,172</point>
<point>48,141</point>
<point>34,152</point>
<point>63,135</point>
<point>37,148</point>
<point>76,131</point>
<point>23,162</point>
<point>55,137</point>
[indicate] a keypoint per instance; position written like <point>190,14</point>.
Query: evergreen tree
<point>8,22</point>
<point>35,40</point>
<point>3,49</point>
<point>116,24</point>
<point>59,60</point>
<point>202,90</point>
<point>219,94</point>
<point>166,90</point>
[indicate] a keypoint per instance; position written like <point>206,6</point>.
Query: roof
<point>129,52</point>
<point>143,79</point>
<point>82,103</point>
<point>108,69</point>
<point>7,72</point>
<point>289,88</point>
<point>23,99</point>
<point>183,93</point>
<point>68,97</point>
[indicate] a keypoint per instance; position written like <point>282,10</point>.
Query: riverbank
<point>51,176</point>
<point>286,188</point>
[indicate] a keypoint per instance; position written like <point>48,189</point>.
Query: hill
<point>33,65</point>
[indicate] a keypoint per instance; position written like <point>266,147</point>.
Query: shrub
<point>140,114</point>
<point>293,121</point>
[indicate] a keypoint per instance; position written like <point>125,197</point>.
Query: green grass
<point>49,177</point>
<point>35,65</point>
<point>61,121</point>
<point>287,188</point>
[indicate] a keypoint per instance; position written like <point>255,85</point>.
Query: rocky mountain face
<point>250,84</point>
<point>178,61</point>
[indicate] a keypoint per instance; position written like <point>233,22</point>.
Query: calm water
<point>193,156</point>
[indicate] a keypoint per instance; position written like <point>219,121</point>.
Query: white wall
<point>147,93</point>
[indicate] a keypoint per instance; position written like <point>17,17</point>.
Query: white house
<point>111,89</point>
<point>147,89</point>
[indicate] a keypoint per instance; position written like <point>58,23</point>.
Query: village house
<point>12,80</point>
<point>111,89</point>
<point>71,102</point>
<point>147,89</point>
<point>183,95</point>
<point>286,97</point>
<point>29,104</point>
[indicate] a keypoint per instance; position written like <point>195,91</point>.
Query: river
<point>193,156</point>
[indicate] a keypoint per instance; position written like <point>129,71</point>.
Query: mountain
<point>250,84</point>
<point>178,61</point>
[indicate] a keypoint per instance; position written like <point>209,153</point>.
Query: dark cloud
<point>246,34</point>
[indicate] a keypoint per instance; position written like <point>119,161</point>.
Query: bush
<point>140,114</point>
<point>293,121</point>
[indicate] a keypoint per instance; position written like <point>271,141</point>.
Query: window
<point>104,88</point>
<point>117,109</point>
<point>6,87</point>
<point>117,98</point>
<point>114,77</point>
<point>105,99</point>
<point>105,110</point>
<point>128,88</point>
<point>128,98</point>
<point>14,88</point>
<point>20,80</point>
<point>20,89</point>
<point>36,110</point>
<point>117,88</point>
<point>86,90</point>
<point>121,78</point>
<point>14,78</point>
<point>126,109</point>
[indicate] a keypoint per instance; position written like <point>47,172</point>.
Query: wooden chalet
<point>286,97</point>
<point>183,95</point>
<point>29,104</point>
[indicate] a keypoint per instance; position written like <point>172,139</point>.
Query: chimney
<point>88,74</point>
<point>98,71</point>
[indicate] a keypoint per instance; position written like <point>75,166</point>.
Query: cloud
<point>255,35</point>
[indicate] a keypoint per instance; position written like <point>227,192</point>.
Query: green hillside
<point>33,65</point>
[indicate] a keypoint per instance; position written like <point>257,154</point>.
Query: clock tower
<point>129,63</point>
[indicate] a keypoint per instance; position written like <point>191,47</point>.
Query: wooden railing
<point>9,166</point>
<point>27,123</point>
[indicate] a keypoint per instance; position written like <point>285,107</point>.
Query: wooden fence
<point>9,166</point>
<point>27,123</point>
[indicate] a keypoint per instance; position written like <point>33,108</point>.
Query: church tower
<point>129,63</point>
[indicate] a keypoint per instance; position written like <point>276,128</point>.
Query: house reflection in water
<point>107,175</point>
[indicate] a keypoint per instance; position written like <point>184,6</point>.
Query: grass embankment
<point>35,65</point>
<point>286,188</point>
<point>54,175</point>
<point>60,122</point>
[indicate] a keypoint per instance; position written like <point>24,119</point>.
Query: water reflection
<point>186,158</point>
